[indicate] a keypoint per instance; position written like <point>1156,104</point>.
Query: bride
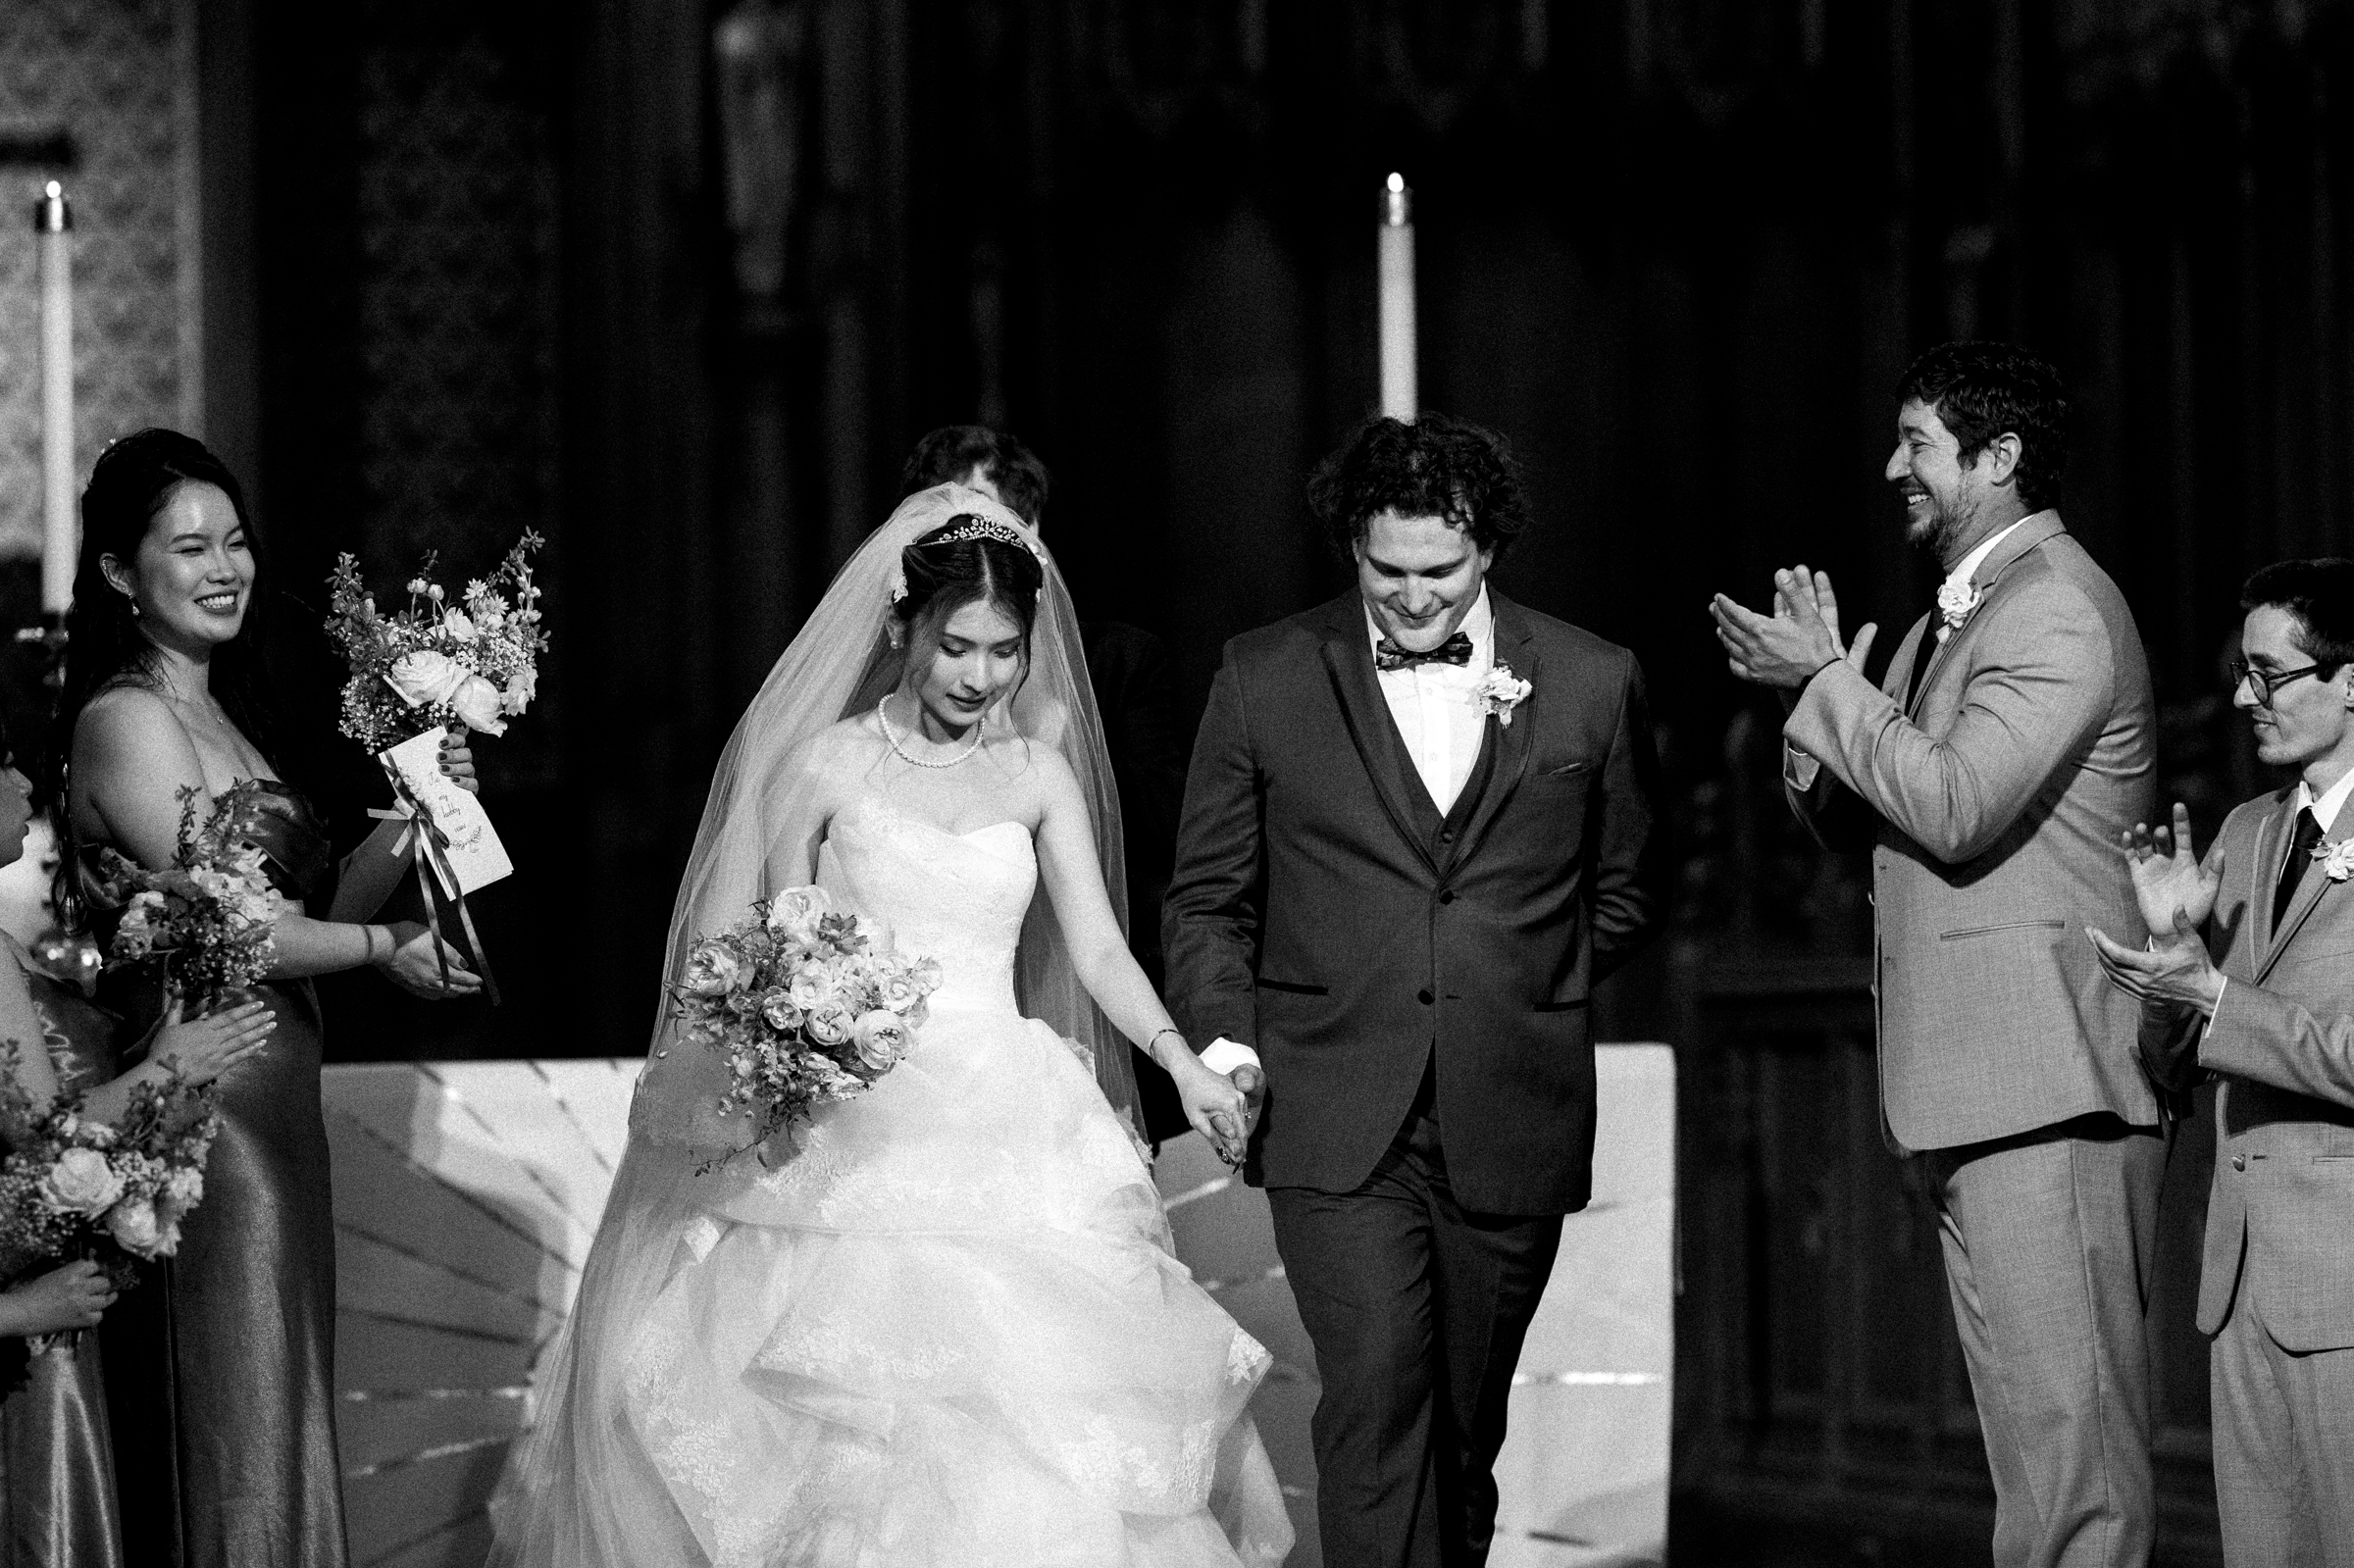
<point>939,1326</point>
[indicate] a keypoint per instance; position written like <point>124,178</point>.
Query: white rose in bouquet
<point>478,704</point>
<point>457,625</point>
<point>882,1040</point>
<point>811,988</point>
<point>426,678</point>
<point>713,970</point>
<point>134,1224</point>
<point>522,688</point>
<point>81,1182</point>
<point>793,914</point>
<point>779,1010</point>
<point>898,991</point>
<point>830,1025</point>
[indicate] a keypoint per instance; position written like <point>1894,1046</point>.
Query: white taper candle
<point>1399,398</point>
<point>60,537</point>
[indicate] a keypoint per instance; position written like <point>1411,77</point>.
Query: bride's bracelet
<point>1155,1039</point>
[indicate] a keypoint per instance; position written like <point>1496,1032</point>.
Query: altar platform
<point>467,1195</point>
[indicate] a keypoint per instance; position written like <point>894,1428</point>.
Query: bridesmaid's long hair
<point>132,481</point>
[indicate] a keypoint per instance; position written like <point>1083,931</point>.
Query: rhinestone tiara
<point>976,527</point>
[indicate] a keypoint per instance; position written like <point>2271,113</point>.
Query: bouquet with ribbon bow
<point>804,1004</point>
<point>442,666</point>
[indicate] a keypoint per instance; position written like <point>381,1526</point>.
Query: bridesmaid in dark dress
<point>58,1504</point>
<point>221,1377</point>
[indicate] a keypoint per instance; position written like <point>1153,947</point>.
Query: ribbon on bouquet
<point>426,843</point>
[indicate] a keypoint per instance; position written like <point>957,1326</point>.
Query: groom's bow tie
<point>1457,649</point>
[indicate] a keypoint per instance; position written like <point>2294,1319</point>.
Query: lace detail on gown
<point>949,1330</point>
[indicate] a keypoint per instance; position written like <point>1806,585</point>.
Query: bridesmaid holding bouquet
<point>220,1371</point>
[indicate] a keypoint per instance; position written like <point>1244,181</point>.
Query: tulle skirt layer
<point>948,1332</point>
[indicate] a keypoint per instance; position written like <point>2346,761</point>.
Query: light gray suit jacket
<point>2281,1212</point>
<point>1993,814</point>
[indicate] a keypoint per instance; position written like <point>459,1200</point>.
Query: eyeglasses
<point>2242,673</point>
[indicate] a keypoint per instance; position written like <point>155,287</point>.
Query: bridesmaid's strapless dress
<point>221,1366</point>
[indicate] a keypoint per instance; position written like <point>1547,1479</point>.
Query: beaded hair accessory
<point>973,527</point>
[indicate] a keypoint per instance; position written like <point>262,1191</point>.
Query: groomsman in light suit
<point>2272,1014</point>
<point>1990,775</point>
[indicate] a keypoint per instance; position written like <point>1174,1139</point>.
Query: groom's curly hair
<point>1437,466</point>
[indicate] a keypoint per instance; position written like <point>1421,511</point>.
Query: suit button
<point>1423,996</point>
<point>2239,1162</point>
<point>1446,835</point>
<point>1447,897</point>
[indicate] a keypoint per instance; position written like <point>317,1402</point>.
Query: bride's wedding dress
<point>950,1331</point>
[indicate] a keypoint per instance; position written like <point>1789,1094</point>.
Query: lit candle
<point>59,535</point>
<point>1399,397</point>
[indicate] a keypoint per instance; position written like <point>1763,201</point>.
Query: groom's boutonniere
<point>2337,859</point>
<point>1957,602</point>
<point>1500,692</point>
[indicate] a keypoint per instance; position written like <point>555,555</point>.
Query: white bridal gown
<point>950,1332</point>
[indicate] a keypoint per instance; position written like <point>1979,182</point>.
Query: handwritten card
<point>475,856</point>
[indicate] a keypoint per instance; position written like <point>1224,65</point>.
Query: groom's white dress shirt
<point>1437,710</point>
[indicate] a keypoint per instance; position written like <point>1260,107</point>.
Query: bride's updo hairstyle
<point>961,563</point>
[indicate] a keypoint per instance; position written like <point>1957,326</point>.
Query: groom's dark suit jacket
<point>1324,913</point>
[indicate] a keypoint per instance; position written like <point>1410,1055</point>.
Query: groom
<point>1419,826</point>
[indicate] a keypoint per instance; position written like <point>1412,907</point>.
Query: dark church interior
<point>678,283</point>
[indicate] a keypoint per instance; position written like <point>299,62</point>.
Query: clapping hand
<point>2167,878</point>
<point>2177,895</point>
<point>1784,649</point>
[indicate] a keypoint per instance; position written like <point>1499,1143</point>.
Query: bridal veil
<point>575,1492</point>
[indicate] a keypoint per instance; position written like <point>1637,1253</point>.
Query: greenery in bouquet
<point>803,1004</point>
<point>211,912</point>
<point>473,664</point>
<point>73,1187</point>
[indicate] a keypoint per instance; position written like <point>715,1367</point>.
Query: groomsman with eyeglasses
<point>1990,774</point>
<point>2251,978</point>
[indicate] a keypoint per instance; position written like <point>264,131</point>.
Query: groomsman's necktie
<point>2300,856</point>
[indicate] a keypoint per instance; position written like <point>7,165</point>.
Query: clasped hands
<point>1223,1107</point>
<point>1785,649</point>
<point>2177,895</point>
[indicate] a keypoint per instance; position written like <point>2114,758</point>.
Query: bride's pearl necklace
<point>882,717</point>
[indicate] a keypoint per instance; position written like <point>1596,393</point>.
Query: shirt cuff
<point>1224,1055</point>
<point>1798,769</point>
<point>2209,1027</point>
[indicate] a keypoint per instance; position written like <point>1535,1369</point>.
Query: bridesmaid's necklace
<point>882,717</point>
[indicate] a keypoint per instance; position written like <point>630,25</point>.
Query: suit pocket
<point>1564,770</point>
<point>1572,1005</point>
<point>2334,1160</point>
<point>2012,925</point>
<point>1293,987</point>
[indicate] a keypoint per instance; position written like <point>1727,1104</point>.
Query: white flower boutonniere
<point>2337,859</point>
<point>1500,692</point>
<point>1957,602</point>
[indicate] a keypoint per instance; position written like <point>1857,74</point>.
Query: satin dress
<point>221,1366</point>
<point>58,1505</point>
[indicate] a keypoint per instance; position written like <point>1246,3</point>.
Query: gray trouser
<point>2049,1238</point>
<point>2284,1445</point>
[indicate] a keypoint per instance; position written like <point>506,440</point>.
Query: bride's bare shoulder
<point>845,748</point>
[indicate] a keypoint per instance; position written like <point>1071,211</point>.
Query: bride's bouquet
<point>804,1005</point>
<point>72,1186</point>
<point>211,912</point>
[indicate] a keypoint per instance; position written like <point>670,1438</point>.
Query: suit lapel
<point>2310,894</point>
<point>1517,646</point>
<point>2031,532</point>
<point>2261,871</point>
<point>1349,661</point>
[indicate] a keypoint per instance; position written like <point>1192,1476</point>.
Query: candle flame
<point>1397,182</point>
<point>53,190</point>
